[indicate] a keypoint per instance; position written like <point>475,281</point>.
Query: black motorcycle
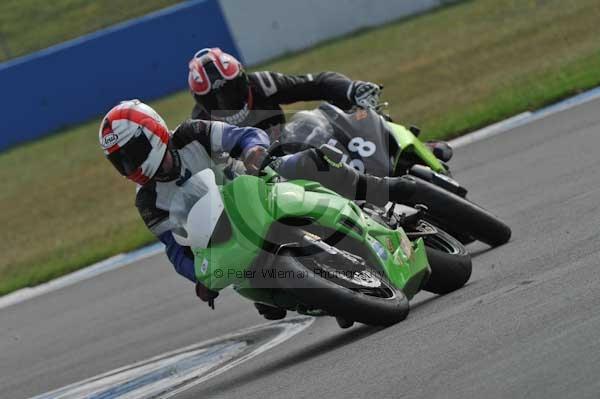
<point>372,143</point>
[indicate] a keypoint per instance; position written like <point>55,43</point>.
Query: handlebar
<point>273,152</point>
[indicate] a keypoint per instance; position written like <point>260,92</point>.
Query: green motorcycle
<point>298,246</point>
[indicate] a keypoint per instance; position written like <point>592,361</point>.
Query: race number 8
<point>364,148</point>
<point>358,165</point>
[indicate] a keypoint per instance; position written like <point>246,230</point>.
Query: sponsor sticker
<point>361,114</point>
<point>389,244</point>
<point>219,83</point>
<point>406,246</point>
<point>380,250</point>
<point>204,266</point>
<point>109,140</point>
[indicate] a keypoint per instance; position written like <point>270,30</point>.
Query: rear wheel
<point>352,292</point>
<point>449,261</point>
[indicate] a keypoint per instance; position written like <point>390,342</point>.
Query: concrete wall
<point>264,29</point>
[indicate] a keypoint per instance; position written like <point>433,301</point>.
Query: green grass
<point>449,71</point>
<point>30,25</point>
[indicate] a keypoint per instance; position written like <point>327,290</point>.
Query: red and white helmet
<point>219,84</point>
<point>134,139</point>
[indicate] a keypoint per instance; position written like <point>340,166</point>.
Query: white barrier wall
<point>264,29</point>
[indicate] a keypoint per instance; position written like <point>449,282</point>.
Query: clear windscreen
<point>306,129</point>
<point>194,189</point>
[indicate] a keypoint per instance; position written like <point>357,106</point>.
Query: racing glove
<point>441,149</point>
<point>183,261</point>
<point>206,294</point>
<point>254,158</point>
<point>364,94</point>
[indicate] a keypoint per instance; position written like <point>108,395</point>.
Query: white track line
<point>220,355</point>
<point>491,130</point>
<point>525,118</point>
<point>94,270</point>
<point>122,260</point>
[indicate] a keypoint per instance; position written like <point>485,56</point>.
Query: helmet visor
<point>227,99</point>
<point>132,155</point>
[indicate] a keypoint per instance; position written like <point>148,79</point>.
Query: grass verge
<point>30,25</point>
<point>449,71</point>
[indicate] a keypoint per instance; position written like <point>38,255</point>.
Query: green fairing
<point>407,141</point>
<point>253,204</point>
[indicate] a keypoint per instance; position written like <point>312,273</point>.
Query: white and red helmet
<point>219,84</point>
<point>134,139</point>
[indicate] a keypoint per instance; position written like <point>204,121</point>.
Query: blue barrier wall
<point>75,81</point>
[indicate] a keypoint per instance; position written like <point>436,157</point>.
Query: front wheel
<point>458,215</point>
<point>354,294</point>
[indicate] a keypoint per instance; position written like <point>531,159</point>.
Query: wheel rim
<point>364,281</point>
<point>440,244</point>
<point>438,241</point>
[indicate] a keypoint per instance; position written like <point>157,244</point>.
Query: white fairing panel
<point>196,209</point>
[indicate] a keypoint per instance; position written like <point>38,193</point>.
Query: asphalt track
<point>526,326</point>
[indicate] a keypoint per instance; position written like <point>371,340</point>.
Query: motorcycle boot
<point>270,312</point>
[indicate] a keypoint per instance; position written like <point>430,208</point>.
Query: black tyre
<point>450,263</point>
<point>368,298</point>
<point>460,215</point>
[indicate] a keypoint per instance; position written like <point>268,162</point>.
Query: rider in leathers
<point>136,140</point>
<point>224,91</point>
